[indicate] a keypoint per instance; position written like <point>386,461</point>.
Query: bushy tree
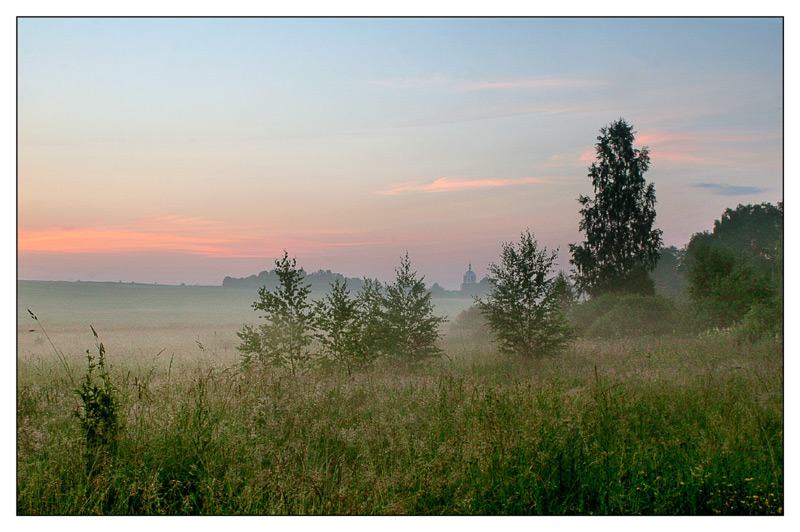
<point>755,232</point>
<point>625,315</point>
<point>723,285</point>
<point>410,329</point>
<point>621,246</point>
<point>738,267</point>
<point>525,304</point>
<point>284,337</point>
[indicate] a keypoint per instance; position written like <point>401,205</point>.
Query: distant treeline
<point>321,281</point>
<point>669,279</point>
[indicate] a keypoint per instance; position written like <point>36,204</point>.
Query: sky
<point>186,150</point>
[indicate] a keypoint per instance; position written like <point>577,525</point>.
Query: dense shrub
<point>763,320</point>
<point>613,315</point>
<point>471,324</point>
<point>735,273</point>
<point>725,286</point>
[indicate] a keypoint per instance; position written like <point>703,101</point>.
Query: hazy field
<point>141,319</point>
<point>650,425</point>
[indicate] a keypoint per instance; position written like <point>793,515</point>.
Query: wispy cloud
<point>720,148</point>
<point>453,184</point>
<point>571,159</point>
<point>731,190</point>
<point>193,236</point>
<point>440,81</point>
<point>414,83</point>
<point>536,83</point>
<point>725,148</point>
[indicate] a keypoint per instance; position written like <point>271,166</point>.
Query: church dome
<point>469,276</point>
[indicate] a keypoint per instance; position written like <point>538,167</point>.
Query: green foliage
<point>369,316</point>
<point>338,322</point>
<point>283,339</point>
<point>525,305</point>
<point>762,320</point>
<point>738,267</point>
<point>409,328</point>
<point>755,231</point>
<point>625,315</point>
<point>189,452</point>
<point>621,246</point>
<point>724,286</point>
<point>99,409</point>
<point>645,426</point>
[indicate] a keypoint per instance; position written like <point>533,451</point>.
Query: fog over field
<point>138,319</point>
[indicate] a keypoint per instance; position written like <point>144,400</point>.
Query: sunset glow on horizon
<point>185,150</point>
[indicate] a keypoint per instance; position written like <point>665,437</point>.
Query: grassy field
<point>651,425</point>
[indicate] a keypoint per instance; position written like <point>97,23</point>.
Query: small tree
<point>284,338</point>
<point>525,305</point>
<point>338,321</point>
<point>370,318</point>
<point>409,325</point>
<point>621,246</point>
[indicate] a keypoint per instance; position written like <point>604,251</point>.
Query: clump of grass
<point>98,413</point>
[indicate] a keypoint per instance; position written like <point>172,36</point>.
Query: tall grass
<point>650,425</point>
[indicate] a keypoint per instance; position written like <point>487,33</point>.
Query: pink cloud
<point>453,184</point>
<point>707,137</point>
<point>710,148</point>
<point>194,236</point>
<point>713,148</point>
<point>571,159</point>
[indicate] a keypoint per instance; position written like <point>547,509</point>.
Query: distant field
<point>66,304</point>
<point>118,304</point>
<point>141,318</point>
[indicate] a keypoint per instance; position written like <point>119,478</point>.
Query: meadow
<point>674,424</point>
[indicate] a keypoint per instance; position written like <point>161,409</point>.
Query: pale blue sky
<point>349,141</point>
